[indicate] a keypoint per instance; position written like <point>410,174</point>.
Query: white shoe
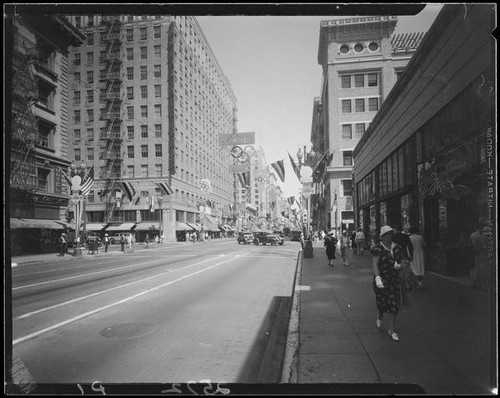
<point>393,335</point>
<point>379,323</point>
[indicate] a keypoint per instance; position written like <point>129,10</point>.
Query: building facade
<point>427,160</point>
<point>39,134</point>
<point>149,101</point>
<point>361,60</point>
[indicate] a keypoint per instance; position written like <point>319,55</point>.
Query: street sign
<point>237,139</point>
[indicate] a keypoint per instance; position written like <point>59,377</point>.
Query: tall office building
<point>39,139</point>
<point>361,60</point>
<point>149,101</point>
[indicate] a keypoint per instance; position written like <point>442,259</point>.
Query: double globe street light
<point>77,173</point>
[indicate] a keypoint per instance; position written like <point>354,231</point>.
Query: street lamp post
<point>160,201</point>
<point>78,200</point>
<point>306,161</point>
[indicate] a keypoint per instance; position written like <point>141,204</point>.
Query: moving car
<point>267,237</point>
<point>245,237</point>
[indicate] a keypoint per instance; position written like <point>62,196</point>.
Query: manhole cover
<point>127,330</point>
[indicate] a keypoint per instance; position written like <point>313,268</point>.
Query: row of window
<point>143,34</point>
<point>360,105</point>
<point>144,151</point>
<point>143,54</point>
<point>130,133</point>
<point>359,80</point>
<point>130,74</point>
<point>347,131</point>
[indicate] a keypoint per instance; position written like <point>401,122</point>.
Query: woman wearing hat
<point>331,246</point>
<point>387,280</point>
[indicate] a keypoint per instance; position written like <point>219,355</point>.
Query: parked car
<point>267,237</point>
<point>295,235</point>
<point>93,238</point>
<point>115,238</point>
<point>245,237</point>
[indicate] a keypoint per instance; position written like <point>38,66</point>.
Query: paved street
<point>177,313</point>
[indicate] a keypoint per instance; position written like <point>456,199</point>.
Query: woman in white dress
<point>418,262</point>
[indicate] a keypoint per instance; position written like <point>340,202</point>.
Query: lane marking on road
<point>125,300</point>
<point>91,273</point>
<point>72,301</point>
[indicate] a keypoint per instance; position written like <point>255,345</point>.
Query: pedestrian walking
<point>146,240</point>
<point>330,242</point>
<point>480,271</point>
<point>403,240</point>
<point>106,243</point>
<point>387,279</point>
<point>344,248</point>
<point>418,261</point>
<point>129,242</point>
<point>63,245</point>
<point>122,243</point>
<point>162,239</point>
<point>360,242</point>
<point>352,237</point>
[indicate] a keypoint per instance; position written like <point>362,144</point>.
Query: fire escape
<point>110,95</point>
<point>23,182</point>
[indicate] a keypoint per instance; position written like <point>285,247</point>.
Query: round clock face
<point>76,181</point>
<point>236,151</point>
<point>250,150</point>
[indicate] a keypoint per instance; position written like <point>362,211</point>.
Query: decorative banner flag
<point>152,205</point>
<point>65,176</point>
<point>244,179</point>
<point>296,168</point>
<point>137,200</point>
<point>291,200</point>
<point>279,166</point>
<point>128,189</point>
<point>89,182</point>
<point>165,188</point>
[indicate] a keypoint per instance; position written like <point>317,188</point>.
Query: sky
<point>271,63</point>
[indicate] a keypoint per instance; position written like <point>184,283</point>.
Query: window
<point>157,32</point>
<point>157,110</point>
<point>144,53</point>
<point>158,150</point>
<point>90,134</point>
<point>346,187</point>
<point>346,81</point>
<point>144,111</point>
<point>90,153</point>
<point>157,71</point>
<point>373,46</point>
<point>90,59</point>
<point>346,106</point>
<point>90,96</point>
<point>358,47</point>
<point>157,51</point>
<point>373,104</point>
<point>44,136</point>
<point>372,79</point>
<point>77,154</point>
<point>90,76</point>
<point>43,179</point>
<point>359,80</point>
<point>77,135</point>
<point>130,54</point>
<point>144,91</point>
<point>158,170</point>
<point>130,73</point>
<point>76,98</point>
<point>130,112</point>
<point>77,60</point>
<point>144,171</point>
<point>90,20</point>
<point>130,132</point>
<point>130,171</point>
<point>144,151</point>
<point>144,131</point>
<point>346,132</point>
<point>78,22</point>
<point>130,151</point>
<point>90,115</point>
<point>144,33</point>
<point>130,34</point>
<point>77,77</point>
<point>144,72</point>
<point>157,130</point>
<point>157,90</point>
<point>347,158</point>
<point>76,117</point>
<point>130,93</point>
<point>344,48</point>
<point>90,39</point>
<point>360,130</point>
<point>359,105</point>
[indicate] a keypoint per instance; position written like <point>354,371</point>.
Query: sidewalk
<point>444,345</point>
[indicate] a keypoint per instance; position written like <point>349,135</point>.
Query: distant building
<point>361,60</point>
<point>427,160</point>
<point>39,134</point>
<point>148,102</point>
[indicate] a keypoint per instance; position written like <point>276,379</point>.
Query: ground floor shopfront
<point>428,158</point>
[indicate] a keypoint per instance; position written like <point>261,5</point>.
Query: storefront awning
<point>230,228</point>
<point>122,227</point>
<point>148,226</point>
<point>196,227</point>
<point>95,227</point>
<point>16,223</point>
<point>222,228</point>
<point>182,226</point>
<point>209,224</point>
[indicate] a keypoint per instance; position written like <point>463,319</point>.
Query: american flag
<point>296,168</point>
<point>280,169</point>
<point>89,182</point>
<point>165,188</point>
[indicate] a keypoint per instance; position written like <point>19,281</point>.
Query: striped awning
<point>147,226</point>
<point>95,227</point>
<point>122,227</point>
<point>223,228</point>
<point>182,226</point>
<point>196,227</point>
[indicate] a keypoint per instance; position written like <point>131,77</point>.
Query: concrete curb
<point>290,366</point>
